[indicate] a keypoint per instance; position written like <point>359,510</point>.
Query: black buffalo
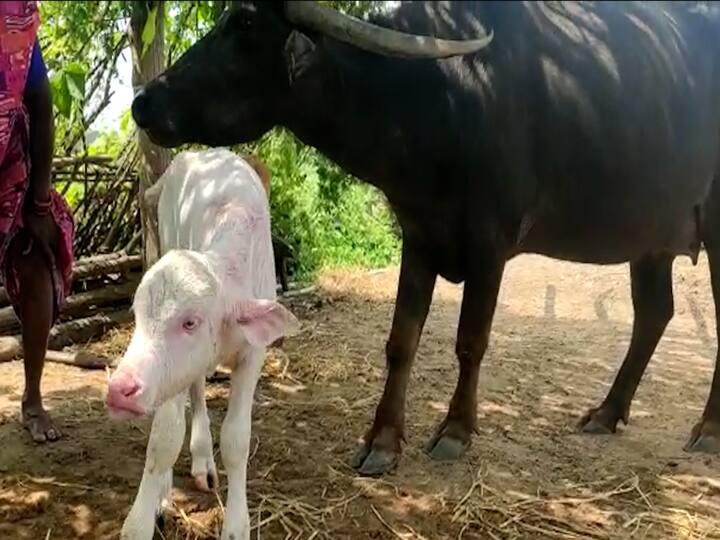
<point>586,132</point>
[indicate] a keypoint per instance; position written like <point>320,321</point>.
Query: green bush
<point>327,216</point>
<point>75,194</point>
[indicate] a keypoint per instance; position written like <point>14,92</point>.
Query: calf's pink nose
<point>122,388</point>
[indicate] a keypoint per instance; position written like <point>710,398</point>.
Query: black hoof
<point>601,421</point>
<point>705,439</point>
<point>374,462</point>
<point>593,427</point>
<point>359,456</point>
<point>446,448</point>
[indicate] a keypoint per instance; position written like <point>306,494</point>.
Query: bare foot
<point>37,421</point>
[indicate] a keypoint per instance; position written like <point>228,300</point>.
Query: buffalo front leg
<point>453,435</point>
<point>166,439</point>
<point>651,281</point>
<point>380,450</point>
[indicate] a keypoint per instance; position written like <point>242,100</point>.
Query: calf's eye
<point>190,324</point>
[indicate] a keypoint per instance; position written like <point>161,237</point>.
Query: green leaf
<point>148,33</point>
<point>204,12</point>
<point>61,95</point>
<point>125,121</point>
<point>75,80</point>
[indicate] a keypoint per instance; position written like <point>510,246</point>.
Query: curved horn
<point>375,38</point>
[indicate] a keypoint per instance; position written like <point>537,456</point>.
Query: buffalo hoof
<point>374,461</point>
<point>447,448</point>
<point>705,437</point>
<point>602,420</point>
<point>450,441</point>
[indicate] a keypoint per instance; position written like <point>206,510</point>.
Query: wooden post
<point>154,159</point>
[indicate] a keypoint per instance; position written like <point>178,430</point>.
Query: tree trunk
<point>155,159</point>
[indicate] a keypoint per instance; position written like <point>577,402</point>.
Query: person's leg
<point>35,306</point>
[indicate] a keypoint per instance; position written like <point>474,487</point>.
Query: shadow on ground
<point>558,337</point>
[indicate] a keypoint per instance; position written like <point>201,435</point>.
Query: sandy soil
<point>559,335</point>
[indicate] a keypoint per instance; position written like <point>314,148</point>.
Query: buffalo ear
<point>263,321</point>
<point>299,55</point>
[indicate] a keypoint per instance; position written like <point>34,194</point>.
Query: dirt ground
<point>558,337</point>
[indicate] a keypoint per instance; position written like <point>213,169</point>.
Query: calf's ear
<point>264,321</point>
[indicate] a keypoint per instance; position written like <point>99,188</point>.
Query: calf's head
<point>183,321</point>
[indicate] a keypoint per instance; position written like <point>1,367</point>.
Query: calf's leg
<point>381,448</point>
<point>651,281</point>
<point>476,314</point>
<point>203,469</point>
<point>166,438</point>
<point>235,444</point>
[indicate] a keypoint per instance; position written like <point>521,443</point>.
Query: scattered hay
<point>114,342</point>
<point>592,514</point>
<point>613,509</point>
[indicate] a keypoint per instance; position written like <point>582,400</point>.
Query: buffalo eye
<point>190,325</point>
<point>245,24</point>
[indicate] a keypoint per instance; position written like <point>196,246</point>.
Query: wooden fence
<point>103,194</point>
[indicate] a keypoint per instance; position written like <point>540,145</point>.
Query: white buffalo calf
<point>210,300</point>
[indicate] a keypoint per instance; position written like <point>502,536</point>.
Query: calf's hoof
<point>243,534</point>
<point>203,469</point>
<point>206,481</point>
<point>705,437</point>
<point>159,527</point>
<point>204,473</point>
<point>602,420</point>
<point>374,461</point>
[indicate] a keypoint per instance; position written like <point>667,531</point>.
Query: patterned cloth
<point>19,22</point>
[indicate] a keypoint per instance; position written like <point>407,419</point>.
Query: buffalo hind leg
<point>453,435</point>
<point>705,436</point>
<point>380,450</point>
<point>652,295</point>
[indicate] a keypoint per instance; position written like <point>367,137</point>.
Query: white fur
<point>217,268</point>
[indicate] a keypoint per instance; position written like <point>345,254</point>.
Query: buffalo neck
<point>379,117</point>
